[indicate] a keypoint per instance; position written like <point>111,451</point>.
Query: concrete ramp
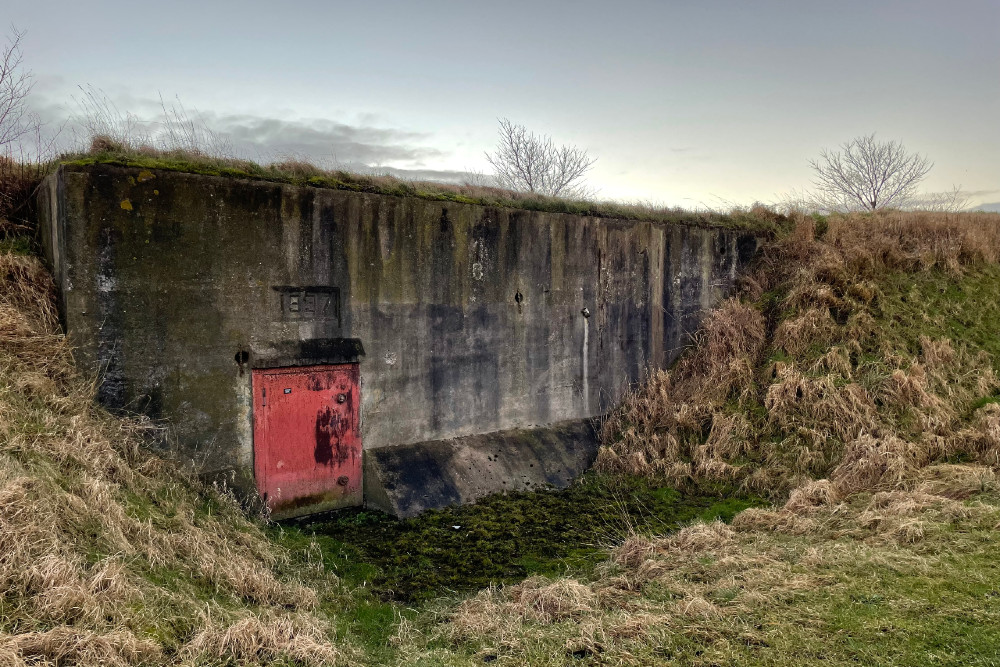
<point>408,479</point>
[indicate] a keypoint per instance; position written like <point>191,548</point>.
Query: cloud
<point>329,143</point>
<point>979,194</point>
<point>324,141</point>
<point>436,175</point>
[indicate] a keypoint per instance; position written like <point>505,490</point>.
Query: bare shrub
<point>532,163</point>
<point>15,85</point>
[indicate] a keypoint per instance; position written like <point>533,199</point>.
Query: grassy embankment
<point>853,382</point>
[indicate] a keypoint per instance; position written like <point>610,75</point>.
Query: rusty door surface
<point>307,444</point>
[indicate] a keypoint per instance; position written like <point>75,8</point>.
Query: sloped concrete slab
<point>408,479</point>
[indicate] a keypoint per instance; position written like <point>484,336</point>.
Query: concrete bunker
<point>482,340</point>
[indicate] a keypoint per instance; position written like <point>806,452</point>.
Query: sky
<point>704,103</point>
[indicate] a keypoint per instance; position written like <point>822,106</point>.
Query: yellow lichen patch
<point>145,175</point>
<point>126,205</point>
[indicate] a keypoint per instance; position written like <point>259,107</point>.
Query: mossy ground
<point>501,538</point>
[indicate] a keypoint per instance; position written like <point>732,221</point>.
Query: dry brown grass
<point>65,645</point>
<point>653,424</point>
<point>88,523</point>
<point>254,640</point>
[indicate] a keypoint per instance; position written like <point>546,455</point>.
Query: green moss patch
<point>501,538</point>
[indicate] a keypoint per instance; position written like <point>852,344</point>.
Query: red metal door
<point>307,446</point>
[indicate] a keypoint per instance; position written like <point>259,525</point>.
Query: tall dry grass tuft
<point>653,428</point>
<point>66,645</point>
<point>256,640</point>
<point>109,555</point>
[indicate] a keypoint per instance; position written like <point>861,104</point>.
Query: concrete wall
<point>471,318</point>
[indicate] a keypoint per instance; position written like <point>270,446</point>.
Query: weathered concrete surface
<point>408,479</point>
<point>173,286</point>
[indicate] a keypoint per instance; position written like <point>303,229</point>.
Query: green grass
<point>17,245</point>
<point>943,609</point>
<point>859,602</point>
<point>965,309</point>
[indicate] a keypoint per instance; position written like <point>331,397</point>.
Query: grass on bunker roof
<point>758,218</point>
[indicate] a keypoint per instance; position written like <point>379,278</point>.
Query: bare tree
<point>868,174</point>
<point>15,84</point>
<point>528,162</point>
